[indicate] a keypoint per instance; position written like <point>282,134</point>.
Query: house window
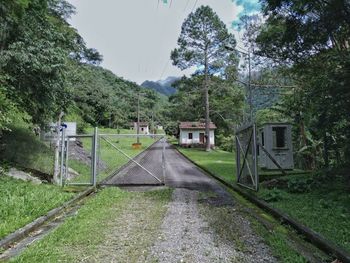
<point>141,129</point>
<point>279,137</point>
<point>190,136</point>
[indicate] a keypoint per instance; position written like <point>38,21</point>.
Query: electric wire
<point>194,6</point>
<point>164,69</point>
<point>188,1</point>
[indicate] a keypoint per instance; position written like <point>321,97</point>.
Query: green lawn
<point>22,202</point>
<point>220,163</point>
<point>113,223</point>
<point>324,207</point>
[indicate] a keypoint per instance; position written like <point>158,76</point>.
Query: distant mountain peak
<point>162,86</point>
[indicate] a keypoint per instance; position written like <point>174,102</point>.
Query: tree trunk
<point>206,97</point>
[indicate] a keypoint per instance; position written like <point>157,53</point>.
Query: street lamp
<point>248,85</point>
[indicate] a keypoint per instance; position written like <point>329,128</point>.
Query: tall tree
<point>38,50</point>
<point>202,44</point>
<point>314,38</point>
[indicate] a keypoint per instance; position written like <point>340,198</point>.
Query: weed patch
<point>114,226</point>
<point>22,202</point>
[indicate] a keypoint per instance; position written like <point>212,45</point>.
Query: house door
<point>201,138</point>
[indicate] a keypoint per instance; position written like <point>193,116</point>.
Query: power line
<point>164,69</point>
<point>188,1</point>
<point>194,6</point>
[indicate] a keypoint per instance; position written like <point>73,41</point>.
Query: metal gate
<point>105,156</point>
<point>146,168</point>
<point>246,157</point>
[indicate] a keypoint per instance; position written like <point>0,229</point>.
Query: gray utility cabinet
<point>277,140</point>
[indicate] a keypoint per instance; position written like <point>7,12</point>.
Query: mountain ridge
<point>162,86</point>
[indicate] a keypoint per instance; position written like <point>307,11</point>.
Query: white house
<point>144,128</point>
<point>193,133</point>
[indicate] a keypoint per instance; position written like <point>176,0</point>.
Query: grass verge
<point>114,226</point>
<point>22,202</point>
<point>218,162</point>
<point>323,207</point>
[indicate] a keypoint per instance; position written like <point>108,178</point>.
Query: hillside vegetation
<point>46,68</point>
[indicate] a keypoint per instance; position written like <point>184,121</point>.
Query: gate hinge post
<point>94,158</point>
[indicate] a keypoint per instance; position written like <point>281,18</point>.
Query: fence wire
<point>127,163</point>
<point>77,160</point>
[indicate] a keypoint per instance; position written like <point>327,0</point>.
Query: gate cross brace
<point>245,158</point>
<point>131,159</point>
<point>273,159</point>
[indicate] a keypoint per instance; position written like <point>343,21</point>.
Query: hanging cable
<point>164,69</point>
<point>194,6</point>
<point>188,1</point>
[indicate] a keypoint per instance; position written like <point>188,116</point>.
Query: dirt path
<point>189,236</point>
<point>186,237</point>
<point>203,222</point>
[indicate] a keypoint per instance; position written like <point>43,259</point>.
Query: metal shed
<point>276,138</point>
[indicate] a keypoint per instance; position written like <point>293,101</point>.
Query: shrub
<point>300,185</point>
<point>225,143</point>
<point>273,195</point>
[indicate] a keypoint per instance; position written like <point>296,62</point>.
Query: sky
<point>136,37</point>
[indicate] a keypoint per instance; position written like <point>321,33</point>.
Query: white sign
<point>70,130</point>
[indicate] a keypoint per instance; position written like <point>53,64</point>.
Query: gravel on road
<point>203,223</point>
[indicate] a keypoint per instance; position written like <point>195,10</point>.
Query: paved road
<point>133,174</point>
<point>179,172</point>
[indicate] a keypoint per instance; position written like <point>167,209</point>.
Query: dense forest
<point>309,42</point>
<point>46,68</point>
<point>300,63</point>
<point>300,73</point>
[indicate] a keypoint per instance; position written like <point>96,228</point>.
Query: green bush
<point>225,143</point>
<point>300,185</point>
<point>273,195</point>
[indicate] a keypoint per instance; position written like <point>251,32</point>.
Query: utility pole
<point>138,117</point>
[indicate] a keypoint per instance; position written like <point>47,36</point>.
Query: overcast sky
<point>135,37</point>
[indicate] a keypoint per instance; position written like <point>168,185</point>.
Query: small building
<point>193,134</point>
<point>276,138</point>
<point>144,127</point>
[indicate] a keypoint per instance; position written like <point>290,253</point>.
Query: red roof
<point>195,125</point>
